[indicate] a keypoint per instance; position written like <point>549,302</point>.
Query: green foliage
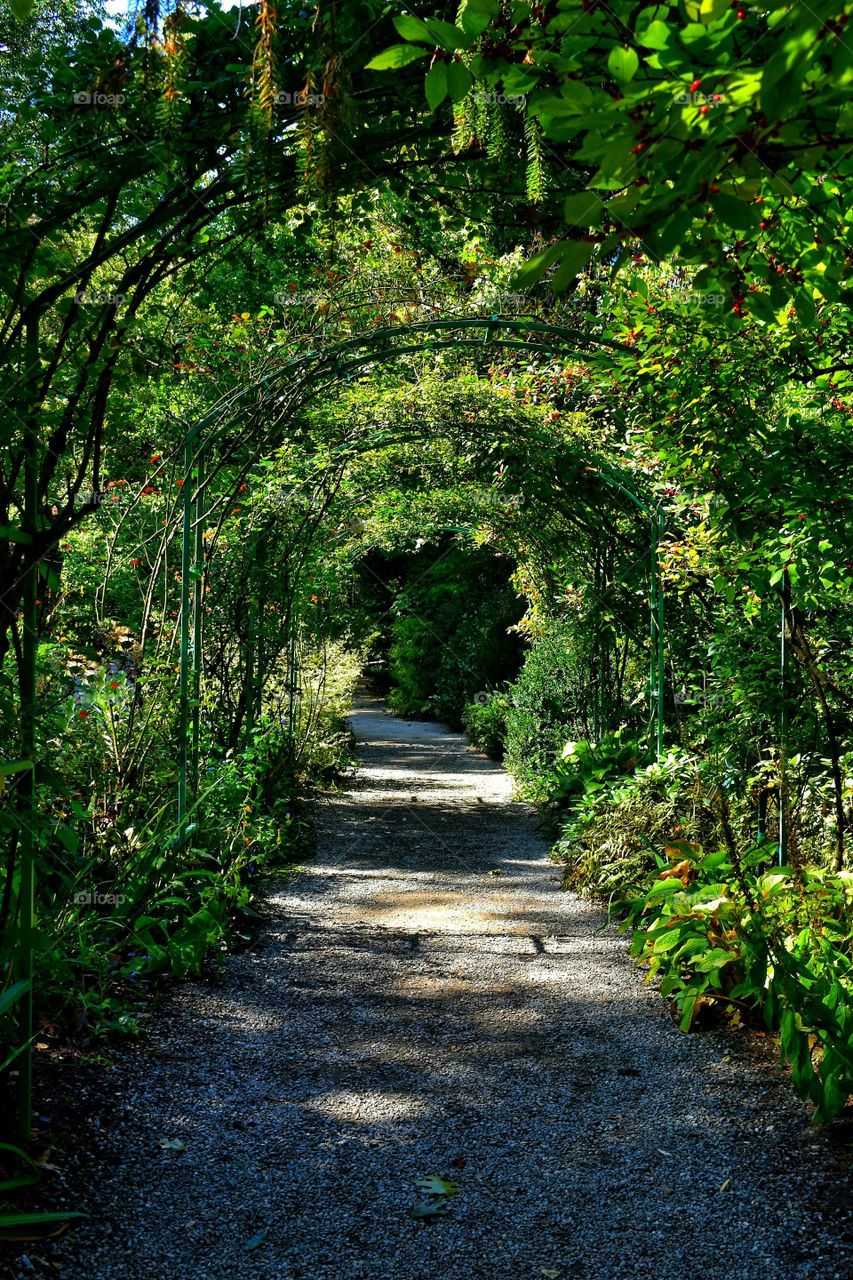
<point>450,641</point>
<point>485,723</point>
<point>549,703</point>
<point>644,105</point>
<point>608,838</point>
<point>586,769</point>
<point>719,929</point>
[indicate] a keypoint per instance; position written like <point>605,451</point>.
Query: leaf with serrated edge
<point>432,1186</point>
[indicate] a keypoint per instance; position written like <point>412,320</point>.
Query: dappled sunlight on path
<point>426,1001</point>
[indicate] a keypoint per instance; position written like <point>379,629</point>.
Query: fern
<point>535,173</point>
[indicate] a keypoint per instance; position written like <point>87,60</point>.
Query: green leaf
<point>535,268</point>
<point>734,213</point>
<point>705,11</point>
<point>623,63</point>
<point>68,838</point>
<point>11,1222</point>
<point>477,14</point>
<point>435,85</point>
<point>429,1209</point>
<point>399,55</point>
<point>21,8</point>
<point>449,37</point>
<point>583,209</point>
<point>459,81</point>
<point>257,1240</point>
<point>411,28</point>
<point>687,1013</point>
<point>805,307</point>
<point>655,36</point>
<point>433,1186</point>
<point>577,254</point>
<point>666,941</point>
<point>14,994</point>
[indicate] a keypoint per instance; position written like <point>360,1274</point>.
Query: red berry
<point>695,85</point>
<point>703,111</point>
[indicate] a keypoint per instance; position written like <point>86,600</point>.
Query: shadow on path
<point>409,1012</point>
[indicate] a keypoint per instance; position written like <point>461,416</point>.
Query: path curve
<point>408,1012</point>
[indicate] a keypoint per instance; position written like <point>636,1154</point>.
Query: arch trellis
<point>289,386</point>
<point>307,377</point>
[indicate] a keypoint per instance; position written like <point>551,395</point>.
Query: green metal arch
<point>336,364</point>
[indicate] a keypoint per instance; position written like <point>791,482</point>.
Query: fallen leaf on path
<point>429,1209</point>
<point>255,1241</point>
<point>432,1186</point>
<point>727,1183</point>
<point>172,1144</point>
<point>550,1272</point>
<point>662,1152</point>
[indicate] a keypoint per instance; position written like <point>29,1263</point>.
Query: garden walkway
<point>425,1000</point>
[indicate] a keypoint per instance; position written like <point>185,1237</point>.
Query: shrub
<point>610,838</point>
<point>545,709</point>
<point>485,724</point>
<point>720,930</point>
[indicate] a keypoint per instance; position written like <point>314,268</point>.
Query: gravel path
<point>409,1012</point>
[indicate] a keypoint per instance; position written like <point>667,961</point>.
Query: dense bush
<point>451,640</point>
<point>546,708</point>
<point>612,833</point>
<point>485,723</point>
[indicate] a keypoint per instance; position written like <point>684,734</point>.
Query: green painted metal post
<point>198,610</point>
<point>184,669</point>
<point>27,791</point>
<point>250,673</point>
<point>657,632</point>
<point>783,722</point>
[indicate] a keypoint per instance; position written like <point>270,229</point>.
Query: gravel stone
<point>406,1013</point>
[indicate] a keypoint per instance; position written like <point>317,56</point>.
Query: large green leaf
<point>399,55</point>
<point>459,81</point>
<point>623,63</point>
<point>435,85</point>
<point>411,28</point>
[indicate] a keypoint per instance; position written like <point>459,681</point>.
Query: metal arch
<point>338,363</point>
